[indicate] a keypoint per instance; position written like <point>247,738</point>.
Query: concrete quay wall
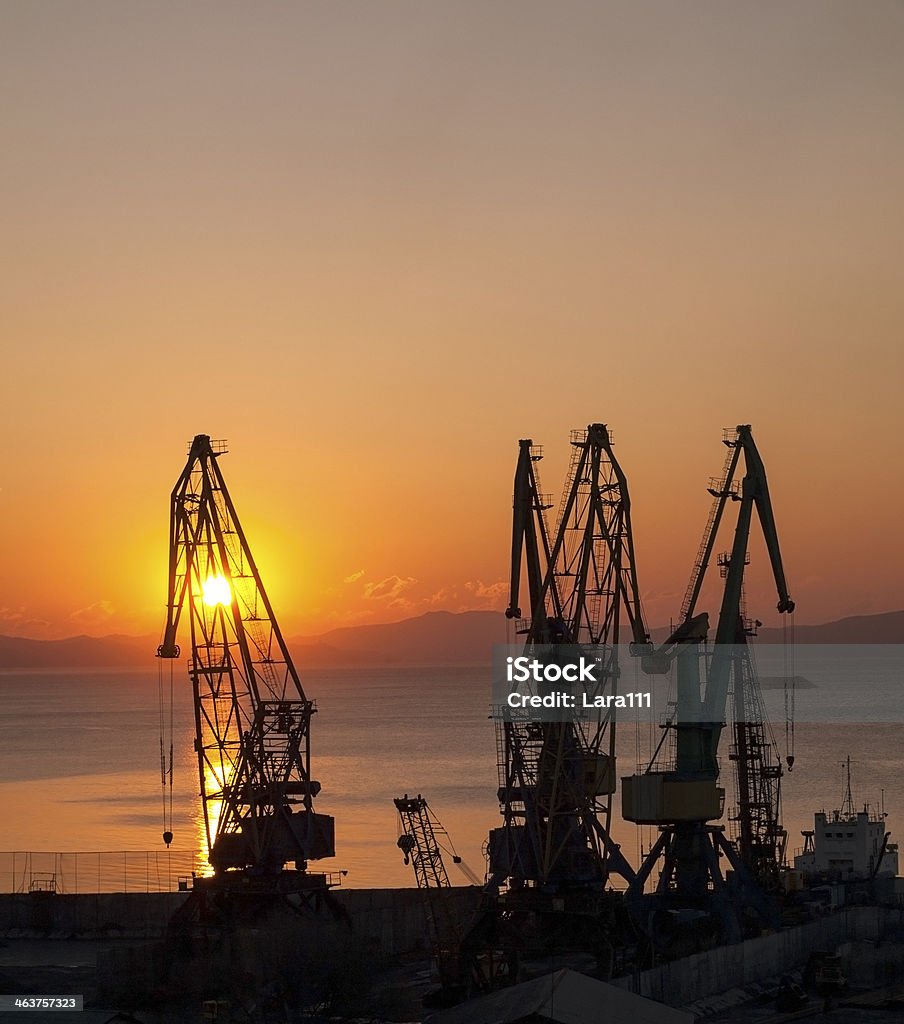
<point>323,952</point>
<point>87,915</point>
<point>391,920</point>
<point>715,971</point>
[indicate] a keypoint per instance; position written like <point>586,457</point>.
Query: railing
<point>218,447</point>
<point>96,872</point>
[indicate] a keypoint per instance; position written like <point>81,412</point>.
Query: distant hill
<point>438,638</point>
<point>76,652</point>
<point>884,628</point>
<point>887,628</point>
<point>435,638</point>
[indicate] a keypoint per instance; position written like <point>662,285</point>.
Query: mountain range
<point>435,638</point>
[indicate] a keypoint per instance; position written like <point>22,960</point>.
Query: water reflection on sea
<point>79,764</point>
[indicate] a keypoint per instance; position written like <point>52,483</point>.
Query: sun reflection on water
<point>214,782</point>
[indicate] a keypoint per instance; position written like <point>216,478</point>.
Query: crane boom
<point>730,628</point>
<point>721,490</point>
<point>593,547</point>
<point>530,535</point>
<point>252,716</point>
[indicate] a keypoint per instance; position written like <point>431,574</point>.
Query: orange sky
<point>374,244</point>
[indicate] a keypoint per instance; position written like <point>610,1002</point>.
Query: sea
<point>80,766</point>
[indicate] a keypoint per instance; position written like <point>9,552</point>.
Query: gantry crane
<point>550,861</point>
<point>686,797</point>
<point>252,717</point>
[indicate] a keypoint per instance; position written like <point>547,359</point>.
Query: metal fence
<point>95,872</point>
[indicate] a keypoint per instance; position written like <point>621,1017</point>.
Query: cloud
<point>388,589</point>
<point>487,591</point>
<point>398,596</point>
<point>94,615</point>
<point>19,622</point>
<point>473,595</point>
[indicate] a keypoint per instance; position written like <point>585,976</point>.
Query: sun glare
<point>215,590</point>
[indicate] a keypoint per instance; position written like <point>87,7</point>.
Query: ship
<point>847,845</point>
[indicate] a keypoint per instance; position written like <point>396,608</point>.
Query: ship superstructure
<point>848,845</point>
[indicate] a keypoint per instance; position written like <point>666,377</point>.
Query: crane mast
<point>685,797</point>
<point>252,716</point>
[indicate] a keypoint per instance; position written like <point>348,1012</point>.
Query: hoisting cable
<point>166,769</point>
<point>448,847</point>
<point>171,735</point>
<point>638,725</point>
<point>161,729</point>
<point>790,686</point>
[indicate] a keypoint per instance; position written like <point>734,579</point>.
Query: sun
<point>215,590</point>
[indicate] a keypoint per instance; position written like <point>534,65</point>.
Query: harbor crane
<point>252,716</point>
<point>550,861</point>
<point>557,781</point>
<point>685,798</point>
<point>422,841</point>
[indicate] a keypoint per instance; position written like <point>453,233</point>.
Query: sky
<point>373,245</point>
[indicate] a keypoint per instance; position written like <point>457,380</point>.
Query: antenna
<point>847,804</point>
